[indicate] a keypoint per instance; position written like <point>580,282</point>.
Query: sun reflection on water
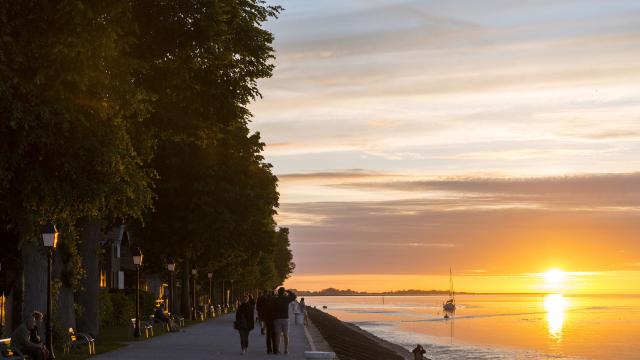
<point>555,305</point>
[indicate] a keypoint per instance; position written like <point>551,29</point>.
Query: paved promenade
<point>213,339</point>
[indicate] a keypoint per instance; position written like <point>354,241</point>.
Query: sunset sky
<point>498,137</point>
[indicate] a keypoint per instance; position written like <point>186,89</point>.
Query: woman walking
<point>244,321</point>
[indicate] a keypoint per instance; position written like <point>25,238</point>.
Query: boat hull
<point>449,307</point>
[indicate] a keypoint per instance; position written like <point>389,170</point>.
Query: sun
<point>554,276</point>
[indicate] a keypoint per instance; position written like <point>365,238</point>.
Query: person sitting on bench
<point>20,340</point>
<point>159,314</point>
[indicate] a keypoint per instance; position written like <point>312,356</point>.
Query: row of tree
<point>134,111</point>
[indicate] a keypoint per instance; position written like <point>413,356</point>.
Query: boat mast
<point>451,292</point>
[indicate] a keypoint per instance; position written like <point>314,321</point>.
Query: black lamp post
<point>233,299</point>
<point>223,303</point>
<point>137,261</point>
<point>194,273</point>
<point>210,276</point>
<point>49,240</point>
<point>171,266</point>
<point>1,309</point>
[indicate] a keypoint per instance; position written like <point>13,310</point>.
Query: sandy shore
<point>352,343</point>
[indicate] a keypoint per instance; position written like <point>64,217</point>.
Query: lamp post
<point>233,299</point>
<point>194,273</point>
<point>137,261</point>
<point>210,276</point>
<point>222,297</point>
<point>1,309</point>
<point>49,240</point>
<point>171,266</point>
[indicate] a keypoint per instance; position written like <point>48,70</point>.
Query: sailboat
<point>450,305</point>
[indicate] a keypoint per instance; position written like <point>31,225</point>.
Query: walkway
<point>210,340</point>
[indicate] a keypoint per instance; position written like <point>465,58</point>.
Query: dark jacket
<point>20,340</point>
<point>244,316</point>
<point>281,305</point>
<point>269,309</point>
<point>261,306</point>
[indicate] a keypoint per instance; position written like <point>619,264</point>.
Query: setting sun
<point>555,276</point>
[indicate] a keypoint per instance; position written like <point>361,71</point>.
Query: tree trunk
<point>185,293</point>
<point>89,298</point>
<point>66,316</point>
<point>34,262</point>
<point>66,312</point>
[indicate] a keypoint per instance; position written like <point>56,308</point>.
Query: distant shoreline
<point>441,293</point>
<point>337,292</point>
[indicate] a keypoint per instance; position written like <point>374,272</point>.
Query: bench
<point>179,319</point>
<point>9,353</point>
<point>154,321</point>
<point>77,339</point>
<point>144,326</point>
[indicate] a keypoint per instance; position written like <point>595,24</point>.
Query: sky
<point>499,138</point>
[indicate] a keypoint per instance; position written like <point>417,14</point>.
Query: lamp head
<point>50,235</point>
<point>210,275</point>
<point>137,256</point>
<point>171,265</point>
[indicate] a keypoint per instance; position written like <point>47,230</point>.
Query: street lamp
<point>49,240</point>
<point>1,309</point>
<point>194,273</point>
<point>210,276</point>
<point>222,297</point>
<point>233,299</point>
<point>137,261</point>
<point>171,266</point>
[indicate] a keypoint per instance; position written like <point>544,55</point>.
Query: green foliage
<point>72,271</point>
<point>118,307</point>
<point>106,311</point>
<point>69,146</point>
<point>136,111</point>
<point>216,194</point>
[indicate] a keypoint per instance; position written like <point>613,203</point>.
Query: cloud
<point>411,97</point>
<point>606,186</point>
<point>493,224</point>
<point>336,175</point>
<point>397,81</point>
<point>362,237</point>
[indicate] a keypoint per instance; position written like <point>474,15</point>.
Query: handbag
<point>235,325</point>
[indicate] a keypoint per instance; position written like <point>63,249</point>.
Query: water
<point>500,326</point>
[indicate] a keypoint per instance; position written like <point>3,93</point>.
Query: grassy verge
<point>112,338</point>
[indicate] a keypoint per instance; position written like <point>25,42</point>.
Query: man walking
<point>281,322</point>
<point>269,313</point>
<point>261,308</point>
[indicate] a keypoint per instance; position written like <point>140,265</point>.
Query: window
<point>103,279</point>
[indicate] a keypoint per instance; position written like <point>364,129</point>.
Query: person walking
<point>244,322</point>
<point>303,309</point>
<point>269,313</point>
<point>261,304</point>
<point>281,321</point>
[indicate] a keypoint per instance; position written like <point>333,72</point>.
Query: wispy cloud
<point>503,219</point>
<point>413,122</point>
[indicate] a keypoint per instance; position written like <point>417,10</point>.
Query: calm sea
<point>500,326</point>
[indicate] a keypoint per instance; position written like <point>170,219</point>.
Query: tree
<point>71,147</point>
<point>216,195</point>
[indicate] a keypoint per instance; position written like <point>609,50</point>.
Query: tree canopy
<point>216,194</point>
<point>136,112</point>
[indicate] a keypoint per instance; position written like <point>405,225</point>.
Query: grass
<point>112,338</point>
